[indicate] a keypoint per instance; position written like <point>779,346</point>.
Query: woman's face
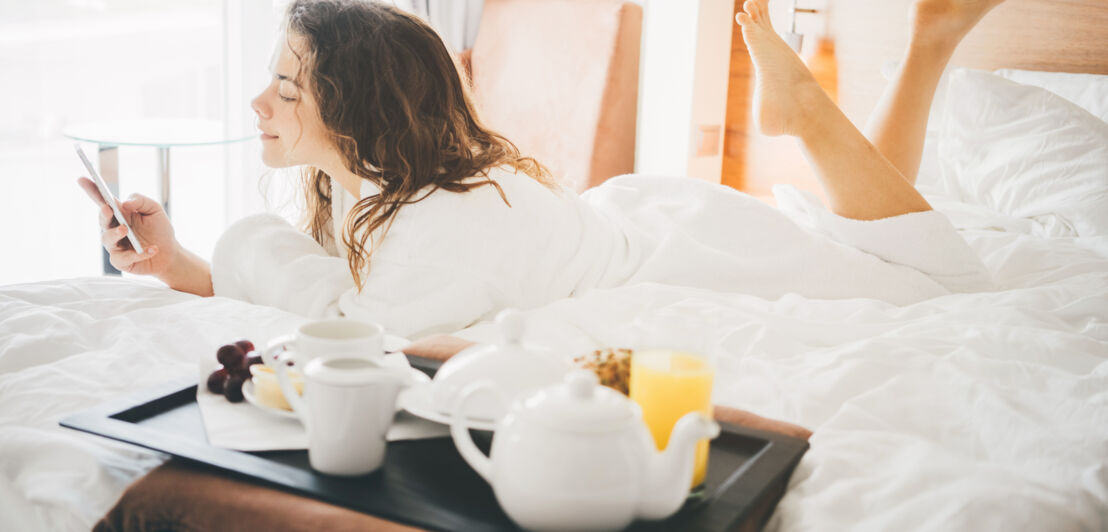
<point>292,132</point>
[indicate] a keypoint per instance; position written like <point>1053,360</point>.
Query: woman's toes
<point>760,9</point>
<point>743,19</point>
<point>748,7</point>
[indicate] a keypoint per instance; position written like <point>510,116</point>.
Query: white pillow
<point>1087,91</point>
<point>1025,152</point>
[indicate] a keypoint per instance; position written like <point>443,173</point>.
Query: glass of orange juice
<point>668,384</point>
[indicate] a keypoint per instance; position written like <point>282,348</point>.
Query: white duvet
<point>984,411</point>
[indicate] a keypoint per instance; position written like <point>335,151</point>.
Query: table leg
<point>163,171</point>
<point>109,170</point>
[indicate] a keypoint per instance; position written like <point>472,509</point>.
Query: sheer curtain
<point>455,20</point>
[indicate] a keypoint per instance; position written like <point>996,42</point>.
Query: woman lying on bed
<point>421,218</point>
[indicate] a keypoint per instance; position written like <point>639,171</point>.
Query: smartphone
<point>109,198</point>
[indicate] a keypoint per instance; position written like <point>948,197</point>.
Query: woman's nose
<point>259,107</point>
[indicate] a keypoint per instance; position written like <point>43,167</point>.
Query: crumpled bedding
<point>968,411</point>
<point>452,260</point>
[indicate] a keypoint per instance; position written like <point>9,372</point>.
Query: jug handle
<point>277,356</point>
<point>460,433</point>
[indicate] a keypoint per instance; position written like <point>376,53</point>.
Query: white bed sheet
<point>967,412</point>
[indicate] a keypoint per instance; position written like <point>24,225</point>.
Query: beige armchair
<point>560,78</point>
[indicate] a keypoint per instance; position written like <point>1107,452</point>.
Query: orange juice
<point>668,385</point>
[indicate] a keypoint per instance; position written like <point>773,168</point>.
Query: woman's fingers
<point>120,252</point>
<point>140,204</point>
<point>107,217</point>
<point>127,260</point>
<point>112,237</point>
<point>93,193</point>
<point>90,190</point>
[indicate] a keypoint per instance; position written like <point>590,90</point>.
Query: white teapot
<point>577,456</point>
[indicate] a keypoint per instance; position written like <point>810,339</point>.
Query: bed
<point>980,411</point>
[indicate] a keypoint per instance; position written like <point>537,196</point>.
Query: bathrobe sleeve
<point>263,259</point>
<point>925,241</point>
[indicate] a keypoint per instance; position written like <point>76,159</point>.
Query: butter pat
<point>268,391</point>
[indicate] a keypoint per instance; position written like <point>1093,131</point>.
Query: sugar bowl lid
<point>512,366</point>
<point>579,404</point>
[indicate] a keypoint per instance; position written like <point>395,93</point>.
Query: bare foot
<point>944,22</point>
<point>784,89</point>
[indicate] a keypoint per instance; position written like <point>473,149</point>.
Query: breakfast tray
<point>426,483</point>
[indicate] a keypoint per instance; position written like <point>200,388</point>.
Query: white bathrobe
<point>453,259</point>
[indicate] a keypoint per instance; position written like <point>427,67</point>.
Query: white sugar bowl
<point>511,366</point>
<point>577,456</point>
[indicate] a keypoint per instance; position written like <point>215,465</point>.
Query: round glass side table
<point>161,134</point>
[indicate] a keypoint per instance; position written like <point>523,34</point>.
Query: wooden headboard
<point>1055,35</point>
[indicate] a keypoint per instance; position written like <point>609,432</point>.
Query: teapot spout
<point>671,471</point>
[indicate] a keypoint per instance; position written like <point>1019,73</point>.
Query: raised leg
<point>860,182</point>
<point>899,122</point>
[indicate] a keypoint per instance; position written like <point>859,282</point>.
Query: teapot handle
<point>460,432</point>
<point>277,356</point>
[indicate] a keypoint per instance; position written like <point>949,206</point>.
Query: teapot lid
<point>580,404</point>
<point>513,366</point>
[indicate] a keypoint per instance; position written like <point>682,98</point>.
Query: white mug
<point>348,404</point>
<point>331,337</point>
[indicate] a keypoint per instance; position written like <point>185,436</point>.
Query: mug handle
<point>277,355</point>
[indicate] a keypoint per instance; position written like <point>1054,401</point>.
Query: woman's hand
<point>163,256</point>
<point>152,228</point>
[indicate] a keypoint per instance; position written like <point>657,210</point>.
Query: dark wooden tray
<point>426,483</point>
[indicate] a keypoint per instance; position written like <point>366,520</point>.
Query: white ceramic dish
<point>417,401</point>
<point>418,376</point>
<point>248,394</point>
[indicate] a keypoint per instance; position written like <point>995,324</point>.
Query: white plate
<point>420,377</point>
<point>417,400</point>
<point>248,394</point>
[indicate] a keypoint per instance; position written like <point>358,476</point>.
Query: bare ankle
<point>931,46</point>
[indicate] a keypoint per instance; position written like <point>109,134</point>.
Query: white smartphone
<point>109,198</point>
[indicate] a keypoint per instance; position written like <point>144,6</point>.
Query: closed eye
<point>286,86</point>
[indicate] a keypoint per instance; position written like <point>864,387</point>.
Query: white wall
<point>667,61</point>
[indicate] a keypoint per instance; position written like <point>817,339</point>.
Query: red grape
<point>246,345</point>
<point>231,356</point>
<point>232,388</point>
<point>215,380</point>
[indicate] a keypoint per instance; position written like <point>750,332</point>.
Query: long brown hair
<point>399,112</point>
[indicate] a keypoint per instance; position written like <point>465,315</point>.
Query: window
<point>66,62</point>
